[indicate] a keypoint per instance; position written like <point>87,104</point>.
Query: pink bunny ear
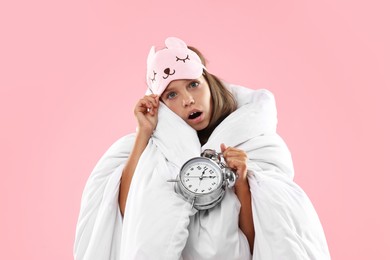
<point>151,55</point>
<point>173,42</point>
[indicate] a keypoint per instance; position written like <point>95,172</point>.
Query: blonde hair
<point>223,101</point>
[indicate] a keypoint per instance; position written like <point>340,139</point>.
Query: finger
<point>233,153</point>
<point>153,111</point>
<point>225,151</point>
<point>157,102</point>
<point>223,147</point>
<point>235,161</point>
<point>156,105</point>
<point>153,99</point>
<point>237,166</point>
<point>228,150</point>
<point>150,101</point>
<point>143,105</point>
<point>152,108</point>
<point>144,108</point>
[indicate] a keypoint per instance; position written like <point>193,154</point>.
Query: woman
<point>188,110</point>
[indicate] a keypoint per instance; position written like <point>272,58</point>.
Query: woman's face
<point>191,100</point>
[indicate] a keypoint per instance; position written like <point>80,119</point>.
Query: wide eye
<point>171,95</point>
<point>194,84</point>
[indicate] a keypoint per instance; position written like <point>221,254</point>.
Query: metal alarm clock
<point>203,180</point>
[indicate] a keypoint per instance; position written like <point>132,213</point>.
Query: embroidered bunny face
<point>176,61</point>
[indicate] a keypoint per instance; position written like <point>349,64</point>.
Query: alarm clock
<point>203,180</point>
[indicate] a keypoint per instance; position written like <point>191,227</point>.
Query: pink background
<point>71,71</point>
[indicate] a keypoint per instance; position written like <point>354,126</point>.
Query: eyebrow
<point>170,88</point>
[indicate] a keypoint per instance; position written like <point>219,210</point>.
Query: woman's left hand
<point>236,159</point>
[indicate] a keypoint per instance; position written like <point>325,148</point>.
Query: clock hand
<point>200,176</point>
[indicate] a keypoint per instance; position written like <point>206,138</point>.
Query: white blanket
<point>159,224</point>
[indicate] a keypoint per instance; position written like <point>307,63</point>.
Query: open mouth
<point>194,115</point>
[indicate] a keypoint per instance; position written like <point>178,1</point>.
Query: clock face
<point>201,175</point>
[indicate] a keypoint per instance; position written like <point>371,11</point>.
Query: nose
<point>188,100</point>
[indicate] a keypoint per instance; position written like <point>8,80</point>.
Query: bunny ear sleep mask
<point>175,61</point>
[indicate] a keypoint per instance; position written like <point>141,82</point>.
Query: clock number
<point>202,190</point>
<point>189,186</point>
<point>211,171</point>
<point>213,183</point>
<point>192,169</point>
<point>187,180</point>
<point>210,188</point>
<point>199,168</point>
<point>196,190</point>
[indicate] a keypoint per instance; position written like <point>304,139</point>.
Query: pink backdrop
<point>71,71</point>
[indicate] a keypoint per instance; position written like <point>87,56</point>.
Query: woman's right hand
<point>146,111</point>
